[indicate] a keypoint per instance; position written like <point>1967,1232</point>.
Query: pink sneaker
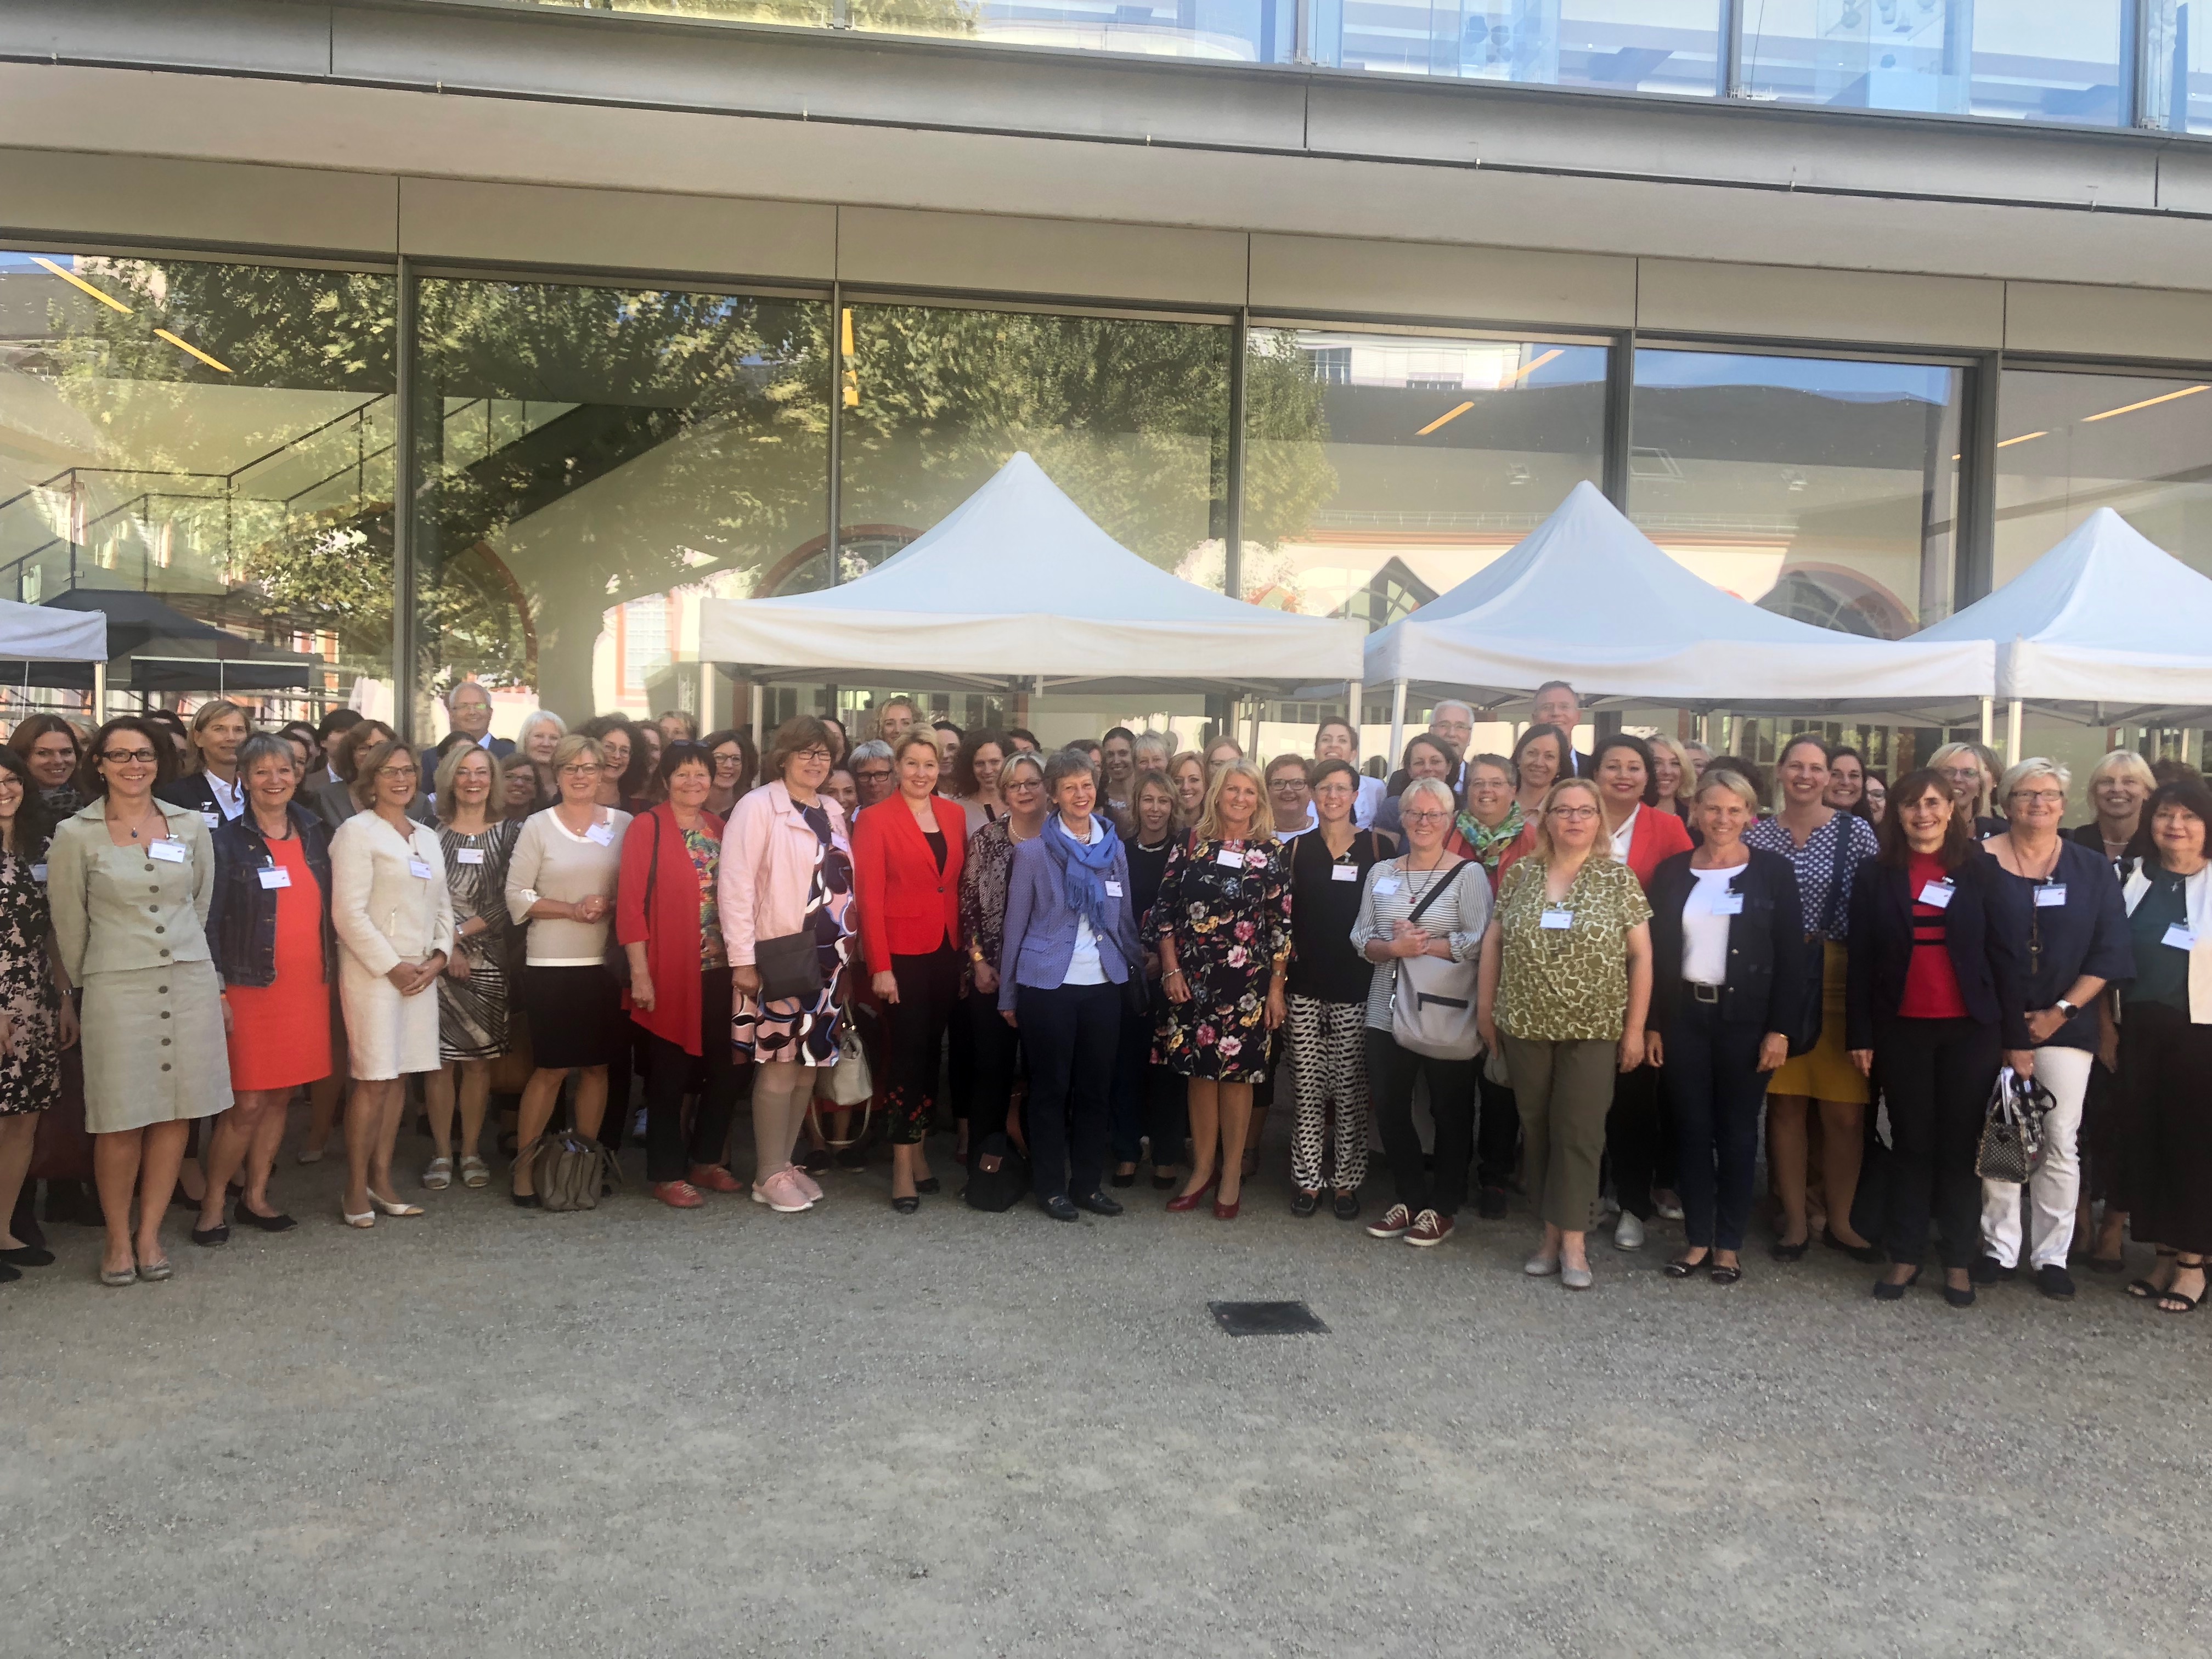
<point>807,1184</point>
<point>781,1194</point>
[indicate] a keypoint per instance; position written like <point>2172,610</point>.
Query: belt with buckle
<point>1705,993</point>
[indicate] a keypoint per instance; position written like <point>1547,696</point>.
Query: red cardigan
<point>1657,837</point>
<point>670,931</point>
<point>908,906</point>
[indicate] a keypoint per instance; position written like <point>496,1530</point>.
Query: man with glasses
<point>468,709</point>
<point>1558,705</point>
<point>870,763</point>
<point>1451,722</point>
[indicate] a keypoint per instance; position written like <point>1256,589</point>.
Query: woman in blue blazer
<point>1070,950</point>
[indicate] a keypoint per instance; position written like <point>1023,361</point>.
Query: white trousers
<point>2049,1196</point>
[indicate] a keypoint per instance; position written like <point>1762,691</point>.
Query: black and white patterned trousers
<point>1329,1040</point>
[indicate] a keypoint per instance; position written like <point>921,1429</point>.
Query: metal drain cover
<point>1267,1319</point>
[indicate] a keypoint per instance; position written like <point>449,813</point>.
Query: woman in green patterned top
<point>1566,978</point>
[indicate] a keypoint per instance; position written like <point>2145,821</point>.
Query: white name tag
<point>213,818</point>
<point>169,852</point>
<point>602,833</point>
<point>416,867</point>
<point>468,855</point>
<point>1937,894</point>
<point>1727,904</point>
<point>2050,894</point>
<point>1230,858</point>
<point>37,873</point>
<point>1559,921</point>
<point>1113,889</point>
<point>275,876</point>
<point>1385,885</point>
<point>2181,936</point>
<point>1350,873</point>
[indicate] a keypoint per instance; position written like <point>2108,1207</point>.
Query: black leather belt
<point>1706,992</point>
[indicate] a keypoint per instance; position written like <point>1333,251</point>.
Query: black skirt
<point>576,1017</point>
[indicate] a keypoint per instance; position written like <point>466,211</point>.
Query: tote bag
<point>1433,1004</point>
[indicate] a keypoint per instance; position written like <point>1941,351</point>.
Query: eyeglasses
<point>2042,797</point>
<point>1288,786</point>
<point>1574,814</point>
<point>1964,773</point>
<point>878,774</point>
<point>1433,816</point>
<point>816,753</point>
<point>401,770</point>
<point>1022,783</point>
<point>128,757</point>
<point>579,769</point>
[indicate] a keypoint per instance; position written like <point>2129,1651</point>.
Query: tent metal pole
<point>1252,748</point>
<point>1351,696</point>
<point>1397,722</point>
<point>753,713</point>
<point>100,694</point>
<point>1988,720</point>
<point>2012,733</point>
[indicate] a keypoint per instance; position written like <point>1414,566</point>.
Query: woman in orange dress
<point>269,925</point>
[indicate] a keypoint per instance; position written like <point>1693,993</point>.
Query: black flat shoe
<point>1164,1183</point>
<point>1988,1270</point>
<point>27,1255</point>
<point>1870,1253</point>
<point>1098,1204</point>
<point>906,1206</point>
<point>1957,1298</point>
<point>525,1200</point>
<point>1121,1180</point>
<point>852,1157</point>
<point>1886,1291</point>
<point>8,1275</point>
<point>1721,1275</point>
<point>1679,1268</point>
<point>279,1223</point>
<point>930,1185</point>
<point>1782,1252</point>
<point>1489,1204</point>
<point>1347,1206</point>
<point>1059,1207</point>
<point>2055,1282</point>
<point>1304,1203</point>
<point>209,1237</point>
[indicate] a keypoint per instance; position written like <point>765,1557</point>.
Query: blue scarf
<point>1083,866</point>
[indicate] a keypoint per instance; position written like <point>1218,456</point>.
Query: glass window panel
<point>595,462</point>
<point>2037,60</point>
<point>1620,45</point>
<point>1824,489</point>
<point>1381,471</point>
<point>1129,417</point>
<point>2178,63</point>
<point>2069,444</point>
<point>215,442</point>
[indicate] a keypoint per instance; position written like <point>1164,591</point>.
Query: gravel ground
<point>850,1433</point>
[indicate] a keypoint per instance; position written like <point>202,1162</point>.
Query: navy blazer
<point>1770,972</point>
<point>2087,934</point>
<point>1040,935</point>
<point>1985,929</point>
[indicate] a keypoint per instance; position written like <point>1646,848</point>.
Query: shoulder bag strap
<point>1435,892</point>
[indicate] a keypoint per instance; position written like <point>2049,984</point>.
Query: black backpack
<point>998,1174</point>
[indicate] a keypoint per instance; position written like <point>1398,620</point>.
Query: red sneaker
<point>1395,1222</point>
<point>713,1178</point>
<point>677,1194</point>
<point>1429,1229</point>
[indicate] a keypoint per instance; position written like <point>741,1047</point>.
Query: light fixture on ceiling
<point>2129,409</point>
<point>2023,437</point>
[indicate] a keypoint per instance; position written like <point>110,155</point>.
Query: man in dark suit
<point>1451,722</point>
<point>468,708</point>
<point>1558,705</point>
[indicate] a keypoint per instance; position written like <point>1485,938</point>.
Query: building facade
<point>431,339</point>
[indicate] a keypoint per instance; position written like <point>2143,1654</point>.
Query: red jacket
<point>1656,838</point>
<point>670,930</point>
<point>908,906</point>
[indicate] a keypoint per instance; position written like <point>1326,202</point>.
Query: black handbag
<point>789,967</point>
<point>2012,1141</point>
<point>998,1174</point>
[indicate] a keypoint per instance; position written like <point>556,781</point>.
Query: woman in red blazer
<point>907,854</point>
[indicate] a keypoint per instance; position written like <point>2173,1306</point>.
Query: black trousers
<point>1070,1033</point>
<point>1632,1137</point>
<point>1150,1101</point>
<point>1497,1135</point>
<point>996,1049</point>
<point>1936,1075</point>
<point>928,991</point>
<point>1714,1091</point>
<point>2165,1066</point>
<point>712,1074</point>
<point>1391,1071</point>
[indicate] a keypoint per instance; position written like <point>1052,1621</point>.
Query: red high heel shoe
<point>1228,1211</point>
<point>1182,1201</point>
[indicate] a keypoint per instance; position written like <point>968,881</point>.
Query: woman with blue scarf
<point>1071,948</point>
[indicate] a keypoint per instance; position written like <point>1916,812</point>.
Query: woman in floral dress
<point>35,1021</point>
<point>1223,921</point>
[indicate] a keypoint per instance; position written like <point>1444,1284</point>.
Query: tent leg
<point>1252,748</point>
<point>1397,722</point>
<point>100,694</point>
<point>753,713</point>
<point>1988,720</point>
<point>2013,756</point>
<point>1352,694</point>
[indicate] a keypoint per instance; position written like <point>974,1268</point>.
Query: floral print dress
<point>30,1078</point>
<point>788,1028</point>
<point>1225,905</point>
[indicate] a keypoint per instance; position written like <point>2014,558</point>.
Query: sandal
<point>475,1172</point>
<point>2143,1289</point>
<point>438,1174</point>
<point>2189,1303</point>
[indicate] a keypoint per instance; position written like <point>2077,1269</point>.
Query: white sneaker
<point>1629,1234</point>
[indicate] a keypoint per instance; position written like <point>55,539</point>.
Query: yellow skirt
<point>1826,1072</point>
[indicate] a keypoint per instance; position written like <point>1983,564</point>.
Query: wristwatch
<point>2066,1007</point>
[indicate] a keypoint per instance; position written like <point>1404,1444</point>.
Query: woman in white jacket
<point>394,916</point>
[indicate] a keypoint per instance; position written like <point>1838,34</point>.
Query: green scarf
<point>1488,846</point>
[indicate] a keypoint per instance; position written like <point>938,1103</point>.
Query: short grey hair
<point>2127,763</point>
<point>1153,743</point>
<point>264,745</point>
<point>1425,787</point>
<point>533,720</point>
<point>874,749</point>
<point>1025,757</point>
<point>1465,708</point>
<point>459,686</point>
<point>1066,764</point>
<point>2035,766</point>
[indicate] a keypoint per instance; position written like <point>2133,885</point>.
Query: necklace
<point>144,812</point>
<point>2050,865</point>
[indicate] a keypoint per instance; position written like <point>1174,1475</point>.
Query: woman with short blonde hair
<point>2119,784</point>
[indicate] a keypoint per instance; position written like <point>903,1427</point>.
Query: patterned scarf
<point>1489,846</point>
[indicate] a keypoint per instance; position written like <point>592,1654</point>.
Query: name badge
<point>169,852</point>
<point>416,867</point>
<point>2181,936</point>
<point>1385,885</point>
<point>275,876</point>
<point>2048,894</point>
<point>211,816</point>
<point>1558,921</point>
<point>1727,904</point>
<point>1350,873</point>
<point>468,855</point>
<point>1113,889</point>
<point>37,873</point>
<point>1937,895</point>
<point>602,833</point>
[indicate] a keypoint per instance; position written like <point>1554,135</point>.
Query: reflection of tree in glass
<point>1287,475</point>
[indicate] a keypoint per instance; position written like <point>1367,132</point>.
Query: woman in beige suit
<point>394,916</point>
<point>129,879</point>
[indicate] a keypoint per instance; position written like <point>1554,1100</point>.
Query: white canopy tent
<point>2106,628</point>
<point>34,637</point>
<point>1017,589</point>
<point>1588,598</point>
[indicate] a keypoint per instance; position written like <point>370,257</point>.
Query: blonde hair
<point>1720,777</point>
<point>2127,764</point>
<point>363,786</point>
<point>1600,848</point>
<point>1184,820</point>
<point>572,744</point>
<point>1208,827</point>
<point>1687,787</point>
<point>206,715</point>
<point>494,807</point>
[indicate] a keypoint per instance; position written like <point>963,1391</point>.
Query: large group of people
<point>1596,976</point>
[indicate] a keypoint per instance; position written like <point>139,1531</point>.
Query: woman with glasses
<point>1566,983</point>
<point>394,917</point>
<point>1329,988</point>
<point>37,1020</point>
<point>1965,772</point>
<point>1539,760</point>
<point>1425,756</point>
<point>48,744</point>
<point>625,768</point>
<point>786,880</point>
<point>336,801</point>
<point>2075,944</point>
<point>983,875</point>
<point>870,763</point>
<point>476,836</point>
<point>737,767</point>
<point>1222,924</point>
<point>129,879</point>
<point>1826,848</point>
<point>1492,832</point>
<point>560,881</point>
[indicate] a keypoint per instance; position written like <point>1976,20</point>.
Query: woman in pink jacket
<point>787,877</point>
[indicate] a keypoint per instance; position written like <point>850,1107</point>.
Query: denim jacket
<point>241,924</point>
